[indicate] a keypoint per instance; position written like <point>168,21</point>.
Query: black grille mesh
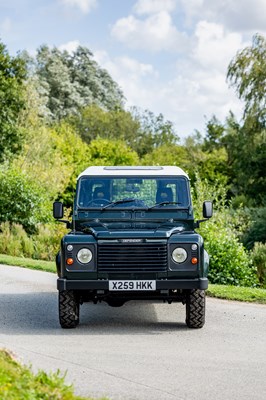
<point>132,257</point>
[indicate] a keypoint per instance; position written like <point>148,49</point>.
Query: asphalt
<point>139,351</point>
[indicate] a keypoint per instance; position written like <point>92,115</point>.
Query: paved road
<point>140,351</point>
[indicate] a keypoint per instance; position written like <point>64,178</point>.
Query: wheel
<point>68,309</point>
<point>195,308</point>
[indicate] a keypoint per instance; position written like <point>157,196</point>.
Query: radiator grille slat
<point>132,257</point>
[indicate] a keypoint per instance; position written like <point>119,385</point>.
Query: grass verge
<point>253,295</point>
<point>48,266</point>
<point>19,382</point>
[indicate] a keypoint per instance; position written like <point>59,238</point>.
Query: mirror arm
<point>68,224</point>
<point>197,223</point>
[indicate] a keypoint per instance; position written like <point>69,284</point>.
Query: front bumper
<point>162,284</point>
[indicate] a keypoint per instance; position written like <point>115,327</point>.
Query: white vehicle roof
<point>133,171</point>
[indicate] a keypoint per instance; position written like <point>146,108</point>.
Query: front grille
<point>132,257</point>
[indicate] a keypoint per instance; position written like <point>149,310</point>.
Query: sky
<point>168,56</point>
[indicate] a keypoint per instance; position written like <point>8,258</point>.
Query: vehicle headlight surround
<point>84,255</point>
<point>179,255</point>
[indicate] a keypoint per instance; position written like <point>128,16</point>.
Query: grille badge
<point>131,240</point>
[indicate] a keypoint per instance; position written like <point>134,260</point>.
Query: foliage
<point>229,262</point>
<point>246,143</point>
<point>155,132</point>
<point>206,160</point>
<point>74,155</point>
<point>247,73</point>
<point>70,81</point>
<point>111,152</point>
<point>42,245</point>
<point>12,75</point>
<point>17,381</point>
<point>214,135</point>
<point>246,149</point>
<point>23,201</point>
<point>256,231</point>
<point>143,132</point>
<point>94,122</point>
<point>258,256</point>
<point>165,155</point>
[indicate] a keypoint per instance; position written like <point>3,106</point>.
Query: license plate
<point>132,285</point>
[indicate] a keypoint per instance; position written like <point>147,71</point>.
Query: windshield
<point>132,192</point>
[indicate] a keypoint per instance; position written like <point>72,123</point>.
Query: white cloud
<point>85,6</point>
<point>214,47</point>
<point>154,6</point>
<point>185,99</point>
<point>70,47</point>
<point>155,33</point>
<point>245,15</point>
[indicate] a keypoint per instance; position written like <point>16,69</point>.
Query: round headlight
<point>84,256</point>
<point>69,247</point>
<point>179,255</point>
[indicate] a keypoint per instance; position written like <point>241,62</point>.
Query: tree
<point>247,74</point>
<point>111,152</point>
<point>246,148</point>
<point>12,75</point>
<point>246,142</point>
<point>71,81</point>
<point>23,200</point>
<point>154,132</point>
<point>94,122</point>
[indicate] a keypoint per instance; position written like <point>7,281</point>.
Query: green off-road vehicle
<point>132,238</point>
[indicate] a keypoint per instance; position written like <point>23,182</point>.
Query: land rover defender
<point>132,237</point>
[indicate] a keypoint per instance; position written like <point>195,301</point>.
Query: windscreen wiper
<point>113,203</point>
<point>165,203</point>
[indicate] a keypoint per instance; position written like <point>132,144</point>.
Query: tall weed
<point>43,245</point>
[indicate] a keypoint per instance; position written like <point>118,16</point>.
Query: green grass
<point>18,382</point>
<point>220,291</point>
<point>48,266</point>
<point>252,295</point>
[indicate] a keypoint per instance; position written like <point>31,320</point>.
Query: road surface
<point>139,351</point>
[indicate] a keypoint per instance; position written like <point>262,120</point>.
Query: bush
<point>22,200</point>
<point>257,230</point>
<point>230,264</point>
<point>258,256</point>
<point>15,241</point>
<point>43,245</point>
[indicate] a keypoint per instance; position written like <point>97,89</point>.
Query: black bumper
<point>66,284</point>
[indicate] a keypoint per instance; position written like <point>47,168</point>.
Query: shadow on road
<point>37,313</point>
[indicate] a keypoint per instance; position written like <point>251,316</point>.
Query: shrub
<point>43,245</point>
<point>22,200</point>
<point>229,262</point>
<point>258,256</point>
<point>257,230</point>
<point>15,241</point>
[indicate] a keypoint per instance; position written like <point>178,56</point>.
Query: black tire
<point>68,309</point>
<point>195,308</point>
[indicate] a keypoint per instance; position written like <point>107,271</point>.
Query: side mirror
<point>207,209</point>
<point>58,210</point>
